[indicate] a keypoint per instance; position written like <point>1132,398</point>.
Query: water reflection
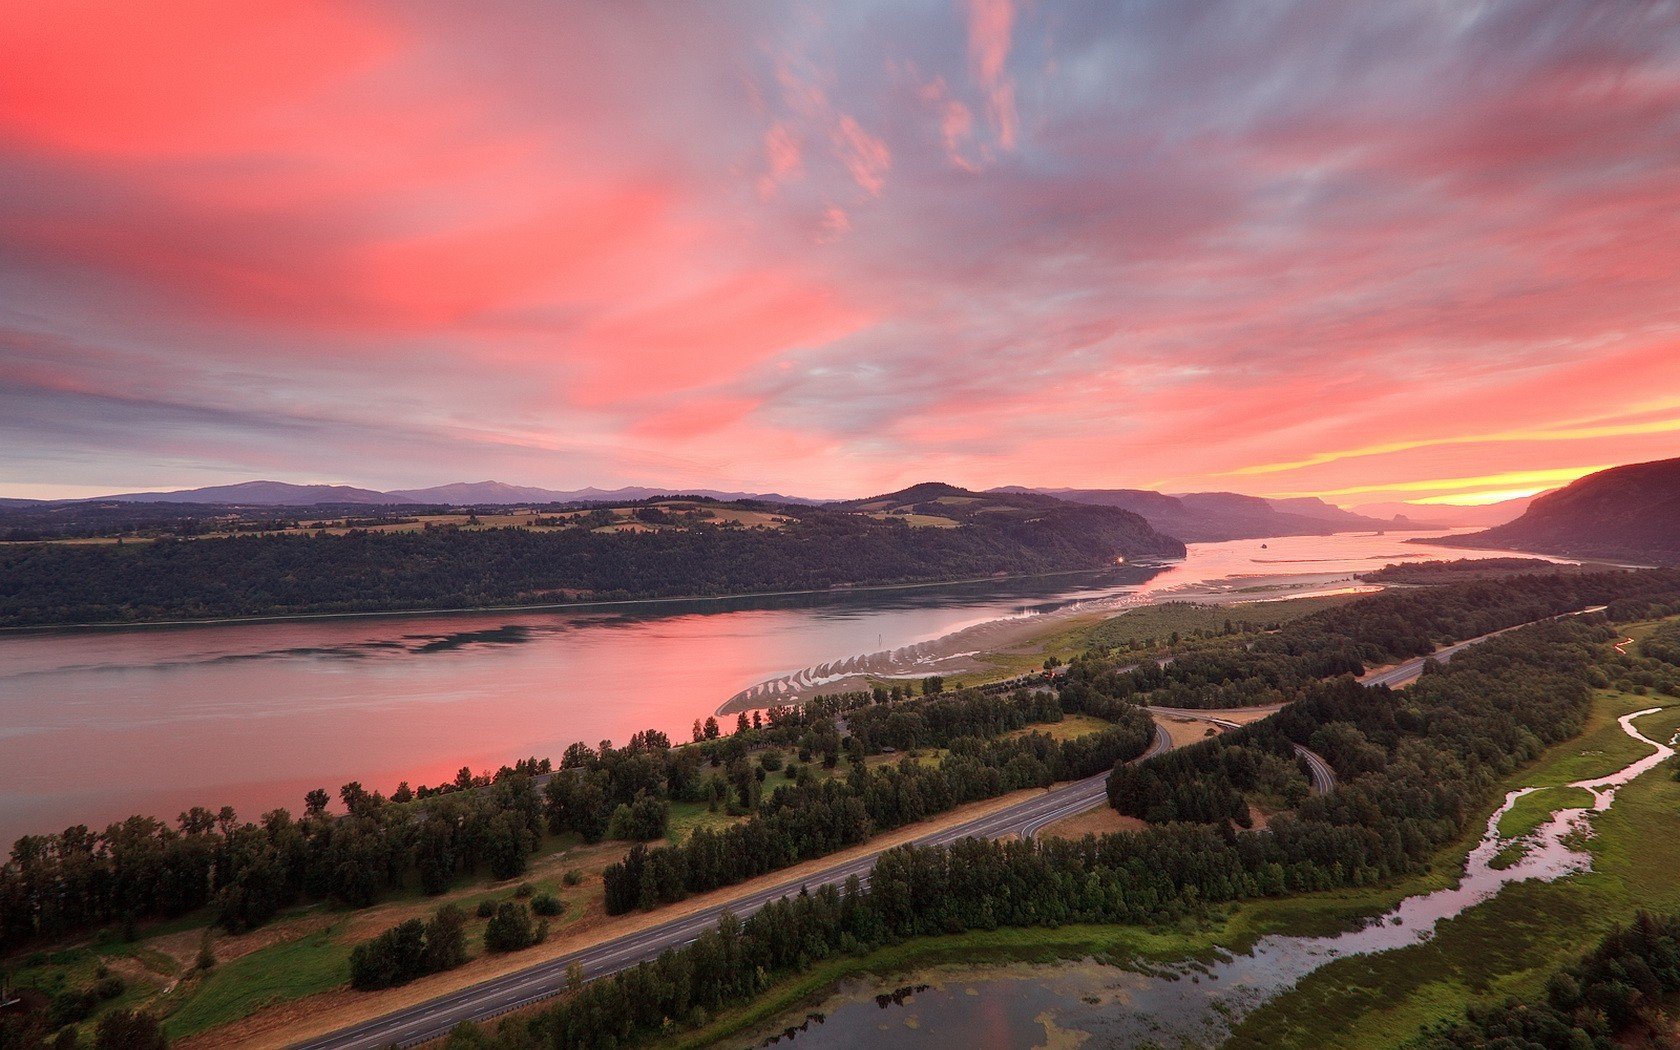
<point>98,724</point>
<point>1194,1004</point>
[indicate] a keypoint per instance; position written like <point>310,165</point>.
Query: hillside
<point>1210,517</point>
<point>1447,516</point>
<point>665,550</point>
<point>1630,512</point>
<point>456,494</point>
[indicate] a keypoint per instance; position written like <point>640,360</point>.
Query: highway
<point>1401,674</point>
<point>499,995</point>
<point>1323,777</point>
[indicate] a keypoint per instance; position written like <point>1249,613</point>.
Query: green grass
<point>1511,944</point>
<point>1535,808</point>
<point>1602,748</point>
<point>689,817</point>
<point>1136,627</point>
<point>292,970</point>
<point>1006,945</point>
<point>1186,618</point>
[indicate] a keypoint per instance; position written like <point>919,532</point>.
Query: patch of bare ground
<point>1101,819</point>
<point>182,946</point>
<point>1186,731</point>
<point>1260,817</point>
<point>287,1023</point>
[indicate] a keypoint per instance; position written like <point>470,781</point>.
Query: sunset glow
<point>835,249</point>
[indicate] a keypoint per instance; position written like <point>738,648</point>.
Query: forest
<point>1613,997</point>
<point>1416,767</point>
<point>362,571</point>
<point>1413,767</point>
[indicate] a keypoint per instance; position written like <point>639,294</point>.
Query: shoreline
<point>231,621</point>
<point>963,651</point>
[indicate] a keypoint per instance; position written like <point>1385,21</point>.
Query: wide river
<point>98,724</point>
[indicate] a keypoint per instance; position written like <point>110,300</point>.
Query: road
<point>497,996</point>
<point>1401,674</point>
<point>500,995</point>
<point>1323,777</point>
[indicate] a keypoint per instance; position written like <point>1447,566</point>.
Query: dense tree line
<point>1608,998</point>
<point>1415,767</point>
<point>361,571</point>
<point>142,868</point>
<point>801,821</point>
<point>1411,765</point>
<point>411,949</point>
<point>1279,667</point>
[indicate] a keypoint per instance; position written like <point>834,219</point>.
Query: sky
<point>1408,250</point>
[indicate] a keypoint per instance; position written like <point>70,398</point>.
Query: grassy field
<point>1161,622</point>
<point>1533,810</point>
<point>287,971</point>
<point>1512,943</point>
<point>1509,945</point>
<point>1150,628</point>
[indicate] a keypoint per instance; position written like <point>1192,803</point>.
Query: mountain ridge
<point>1627,512</point>
<point>1212,517</point>
<point>460,493</point>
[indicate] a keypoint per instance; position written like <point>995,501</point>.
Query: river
<point>1190,1004</point>
<point>98,724</point>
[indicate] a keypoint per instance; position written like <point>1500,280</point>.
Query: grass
<point>1602,747</point>
<point>689,817</point>
<point>1069,728</point>
<point>1508,945</point>
<point>306,966</point>
<point>1513,942</point>
<point>1005,945</point>
<point>1534,809</point>
<point>1160,622</point>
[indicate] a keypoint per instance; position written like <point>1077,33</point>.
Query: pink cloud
<point>991,25</point>
<point>865,156</point>
<point>783,156</point>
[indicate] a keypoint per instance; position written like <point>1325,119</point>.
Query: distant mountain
<point>1318,510</point>
<point>255,494</point>
<point>1029,517</point>
<point>1630,512</point>
<point>1209,517</point>
<point>282,494</point>
<point>1431,515</point>
<point>490,492</point>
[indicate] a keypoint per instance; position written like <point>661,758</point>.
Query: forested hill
<point>1630,512</point>
<point>807,548</point>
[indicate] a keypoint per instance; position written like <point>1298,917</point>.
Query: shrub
<point>510,929</point>
<point>547,904</point>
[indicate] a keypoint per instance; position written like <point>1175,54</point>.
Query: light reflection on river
<point>98,724</point>
<point>1192,1004</point>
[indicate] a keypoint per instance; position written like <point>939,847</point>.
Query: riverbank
<point>577,606</point>
<point>1507,943</point>
<point>1003,648</point>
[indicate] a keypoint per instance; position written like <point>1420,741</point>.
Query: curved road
<point>500,995</point>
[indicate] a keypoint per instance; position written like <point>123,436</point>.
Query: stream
<point>1193,1004</point>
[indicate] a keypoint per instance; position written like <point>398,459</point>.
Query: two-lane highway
<point>499,995</point>
<point>1404,673</point>
<point>494,997</point>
